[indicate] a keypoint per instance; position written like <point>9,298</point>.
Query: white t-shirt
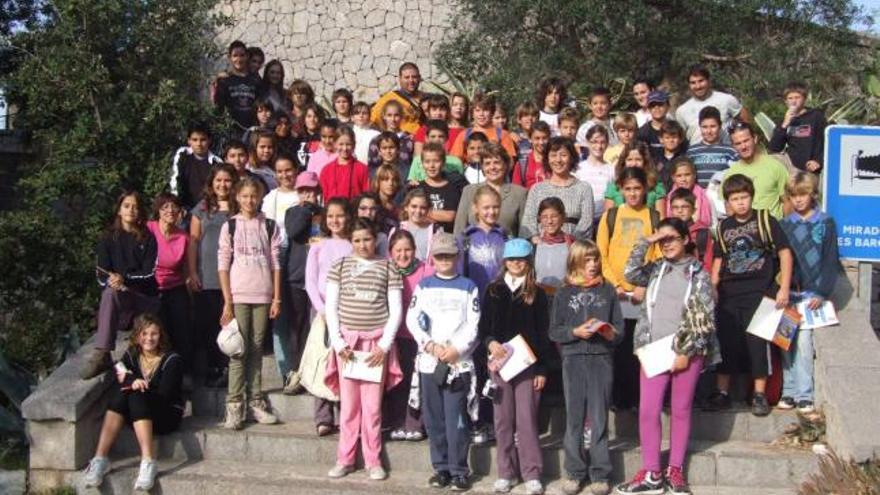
<point>362,138</point>
<point>642,116</point>
<point>598,177</point>
<point>581,136</point>
<point>688,114</point>
<point>275,205</point>
<point>552,119</point>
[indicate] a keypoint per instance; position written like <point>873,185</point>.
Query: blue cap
<point>658,96</point>
<point>517,248</point>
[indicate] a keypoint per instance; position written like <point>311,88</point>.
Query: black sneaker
<point>460,484</point>
<point>785,404</point>
<point>805,406</point>
<point>718,401</point>
<point>760,406</point>
<point>643,483</point>
<point>440,479</point>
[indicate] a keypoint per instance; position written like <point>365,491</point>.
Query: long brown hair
<point>208,194</point>
<point>649,166</point>
<point>529,287</point>
<point>241,184</point>
<point>141,322</point>
<point>140,224</point>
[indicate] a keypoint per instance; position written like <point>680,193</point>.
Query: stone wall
<point>341,43</point>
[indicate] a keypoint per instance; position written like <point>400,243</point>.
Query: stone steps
<point>710,463</point>
<point>216,477</point>
<point>735,424</point>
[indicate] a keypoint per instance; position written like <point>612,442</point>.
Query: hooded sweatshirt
<point>254,259</point>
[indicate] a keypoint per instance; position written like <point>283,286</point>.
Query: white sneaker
<point>398,435</point>
<point>378,473</point>
<point>339,471</point>
<point>502,485</point>
<point>95,472</point>
<point>146,476</point>
<point>534,487</point>
<point>234,416</point>
<point>415,436</point>
<point>259,411</point>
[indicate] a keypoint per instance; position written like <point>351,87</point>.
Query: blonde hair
<point>386,172</point>
<point>484,190</point>
<point>802,183</point>
<point>625,120</point>
<point>578,253</point>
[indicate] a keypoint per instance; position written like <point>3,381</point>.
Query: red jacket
<point>346,181</point>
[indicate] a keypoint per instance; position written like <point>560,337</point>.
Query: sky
<point>871,7</point>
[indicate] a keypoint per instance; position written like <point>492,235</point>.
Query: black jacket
<point>167,381</point>
<point>298,226</point>
<point>120,252</point>
<point>803,139</point>
<point>504,317</point>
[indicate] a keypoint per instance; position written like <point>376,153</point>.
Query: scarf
<point>408,270</point>
<point>587,283</point>
<point>559,238</point>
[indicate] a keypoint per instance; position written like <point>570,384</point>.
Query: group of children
<point>427,253</point>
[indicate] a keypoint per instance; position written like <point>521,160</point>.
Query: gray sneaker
<point>339,471</point>
<point>260,412</point>
<point>600,488</point>
<point>146,476</point>
<point>234,416</point>
<point>95,472</point>
<point>571,486</point>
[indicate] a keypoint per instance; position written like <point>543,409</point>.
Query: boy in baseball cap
<point>443,318</point>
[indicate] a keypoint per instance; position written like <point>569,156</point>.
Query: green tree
<point>106,89</point>
<point>752,46</point>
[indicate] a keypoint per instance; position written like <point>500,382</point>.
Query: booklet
<point>358,369</point>
<point>519,357</point>
<point>657,357</point>
<point>824,316</point>
<point>774,325</point>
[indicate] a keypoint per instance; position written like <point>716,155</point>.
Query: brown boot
<point>98,363</point>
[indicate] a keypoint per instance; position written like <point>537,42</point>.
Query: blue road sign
<point>852,189</point>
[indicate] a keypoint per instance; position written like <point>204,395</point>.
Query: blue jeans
<point>291,329</point>
<point>797,367</point>
<point>444,410</point>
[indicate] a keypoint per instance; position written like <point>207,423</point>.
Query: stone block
<point>59,444</point>
<point>379,46</point>
<point>412,22</point>
<point>375,18</point>
<point>399,49</point>
<point>381,65</point>
<point>358,19</point>
<point>330,34</point>
<point>46,480</point>
<point>352,63</point>
<point>736,469</point>
<point>393,20</point>
<point>300,22</point>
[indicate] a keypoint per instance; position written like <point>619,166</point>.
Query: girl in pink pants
<point>679,308</point>
<point>363,313</point>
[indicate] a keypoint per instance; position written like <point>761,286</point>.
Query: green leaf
<point>873,85</point>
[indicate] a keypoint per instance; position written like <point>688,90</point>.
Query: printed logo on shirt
<point>582,300</point>
<point>801,131</point>
<point>746,252</point>
<point>437,201</point>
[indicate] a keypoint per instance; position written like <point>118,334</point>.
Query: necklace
<point>148,365</point>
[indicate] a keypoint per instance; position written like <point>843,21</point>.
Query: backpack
<point>702,241</point>
<point>270,228</point>
<point>763,232</point>
<point>611,219</point>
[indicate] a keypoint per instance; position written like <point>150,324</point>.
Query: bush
<point>839,476</point>
<point>107,89</point>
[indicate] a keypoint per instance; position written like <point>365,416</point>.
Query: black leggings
<point>137,406</point>
<point>175,313</point>
<point>209,306</point>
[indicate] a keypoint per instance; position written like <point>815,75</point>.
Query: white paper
<point>825,316</point>
<point>521,358</point>
<point>765,320</point>
<point>657,357</point>
<point>358,369</point>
